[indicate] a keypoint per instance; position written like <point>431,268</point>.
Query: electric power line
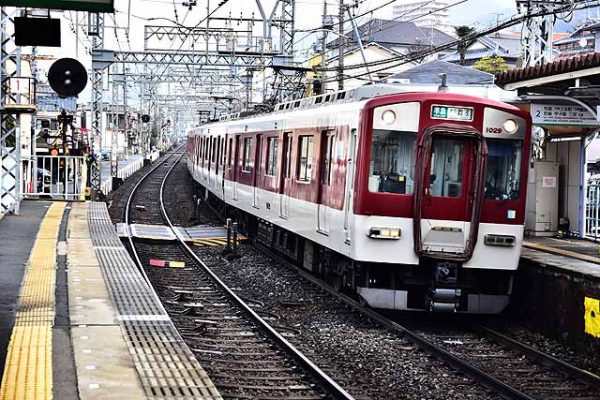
<point>404,59</point>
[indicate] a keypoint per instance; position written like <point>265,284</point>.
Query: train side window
<point>214,150</point>
<point>305,158</point>
<point>271,162</point>
<point>327,158</point>
<point>392,164</point>
<point>287,158</point>
<point>200,149</point>
<point>223,150</point>
<point>231,151</point>
<point>247,161</point>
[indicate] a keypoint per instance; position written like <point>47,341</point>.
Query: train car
<point>413,201</point>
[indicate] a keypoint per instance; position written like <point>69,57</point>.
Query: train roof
<point>357,97</point>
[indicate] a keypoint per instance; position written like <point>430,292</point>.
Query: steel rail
<point>554,363</point>
<point>325,380</point>
<point>128,206</point>
<point>487,380</point>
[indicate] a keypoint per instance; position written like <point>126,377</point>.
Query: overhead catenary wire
<point>519,18</point>
<point>404,59</point>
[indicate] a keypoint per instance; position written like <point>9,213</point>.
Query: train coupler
<point>444,299</point>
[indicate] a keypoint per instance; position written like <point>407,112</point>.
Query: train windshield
<point>392,163</point>
<point>503,169</point>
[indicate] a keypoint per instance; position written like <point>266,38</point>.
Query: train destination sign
<point>80,5</point>
<point>453,113</point>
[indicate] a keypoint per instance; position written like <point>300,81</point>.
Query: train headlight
<point>388,117</point>
<point>510,126</point>
<point>385,233</point>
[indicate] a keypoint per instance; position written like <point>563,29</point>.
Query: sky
<point>308,16</point>
<point>477,13</point>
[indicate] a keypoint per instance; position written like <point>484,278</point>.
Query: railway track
<point>244,355</point>
<point>506,366</point>
<point>240,361</point>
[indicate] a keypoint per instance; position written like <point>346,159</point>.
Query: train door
<point>286,176</point>
<point>257,167</point>
<point>449,199</point>
<point>236,165</point>
<point>349,189</point>
<point>325,172</point>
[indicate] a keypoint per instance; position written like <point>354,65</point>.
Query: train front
<point>440,202</point>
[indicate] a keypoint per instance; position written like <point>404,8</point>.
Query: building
<point>505,44</point>
<point>425,14</point>
<point>464,80</point>
<point>584,40</point>
<point>399,42</point>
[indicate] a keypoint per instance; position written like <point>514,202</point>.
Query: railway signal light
<point>67,77</point>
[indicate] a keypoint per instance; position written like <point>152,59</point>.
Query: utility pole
<point>360,44</point>
<point>340,66</point>
<point>324,38</point>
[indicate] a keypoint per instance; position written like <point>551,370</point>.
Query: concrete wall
<point>550,300</point>
<point>567,154</point>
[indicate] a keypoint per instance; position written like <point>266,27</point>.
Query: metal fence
<point>55,177</point>
<point>126,171</point>
<point>592,209</point>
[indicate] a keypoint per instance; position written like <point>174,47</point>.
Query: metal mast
<point>538,31</point>
<point>10,157</point>
<point>96,30</point>
<point>341,37</point>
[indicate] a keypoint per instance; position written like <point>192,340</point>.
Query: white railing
<point>127,171</point>
<point>56,177</point>
<point>106,186</point>
<point>154,156</point>
<point>130,169</point>
<point>592,209</point>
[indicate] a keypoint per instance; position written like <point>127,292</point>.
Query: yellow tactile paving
<point>28,368</point>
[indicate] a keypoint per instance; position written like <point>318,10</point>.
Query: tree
<point>465,34</point>
<point>491,65</point>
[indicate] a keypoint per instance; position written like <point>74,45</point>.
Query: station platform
<point>557,290</point>
<point>78,320</point>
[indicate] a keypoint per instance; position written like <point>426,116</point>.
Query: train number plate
<point>452,113</point>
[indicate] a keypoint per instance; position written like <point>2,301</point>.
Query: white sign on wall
<point>562,114</point>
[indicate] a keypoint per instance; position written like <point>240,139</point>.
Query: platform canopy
<point>80,5</point>
<point>562,96</point>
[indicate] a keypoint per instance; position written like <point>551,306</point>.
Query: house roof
<point>505,45</point>
<point>396,33</point>
<point>554,68</point>
<point>427,73</point>
<point>353,49</point>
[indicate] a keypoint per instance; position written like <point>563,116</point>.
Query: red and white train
<point>414,201</point>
